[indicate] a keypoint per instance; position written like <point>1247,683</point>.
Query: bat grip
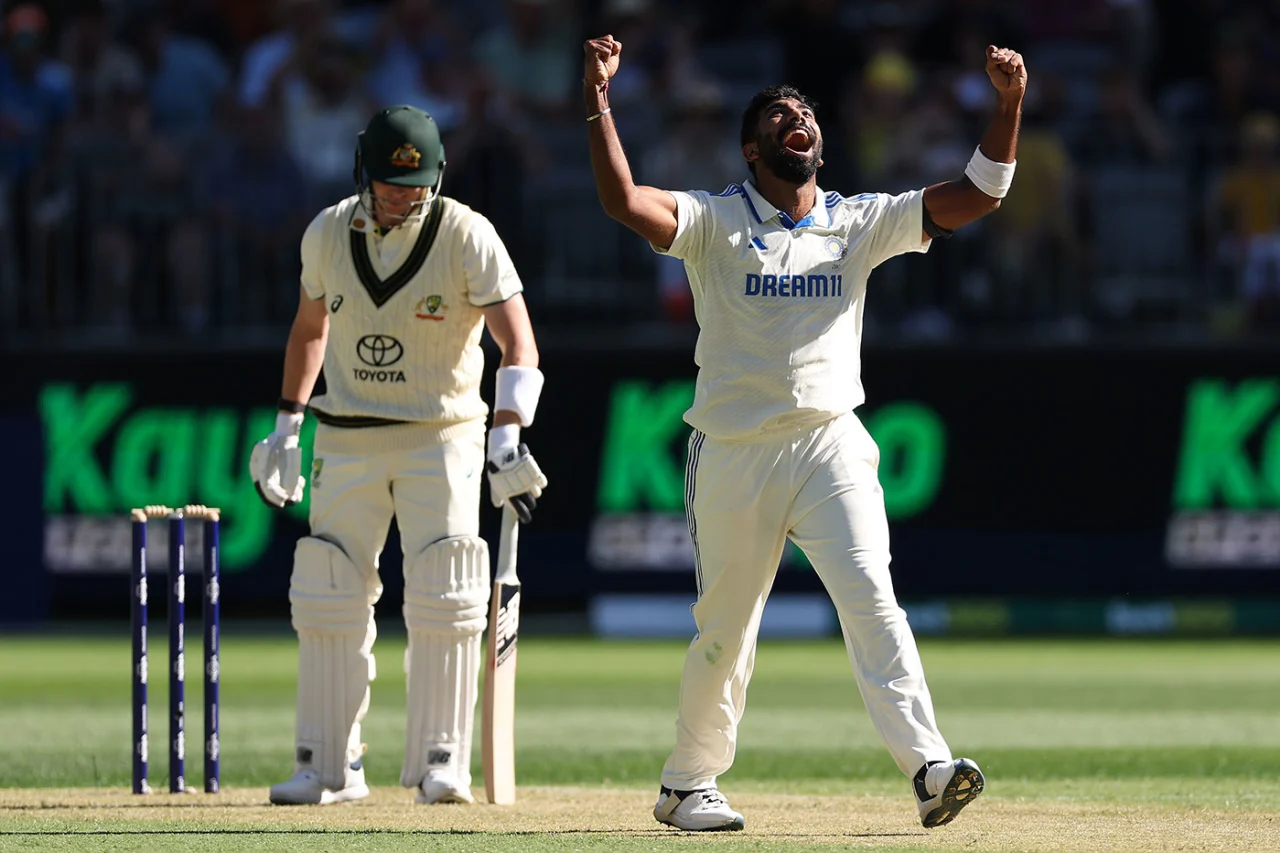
<point>507,546</point>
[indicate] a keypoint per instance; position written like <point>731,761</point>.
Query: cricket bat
<point>499,713</point>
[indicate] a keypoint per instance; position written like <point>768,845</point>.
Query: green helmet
<point>400,146</point>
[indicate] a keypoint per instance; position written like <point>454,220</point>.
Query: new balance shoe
<point>704,810</point>
<point>306,789</point>
<point>442,786</point>
<point>946,787</point>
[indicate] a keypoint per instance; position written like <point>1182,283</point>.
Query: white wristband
<point>288,423</point>
<point>517,389</point>
<point>991,177</point>
<point>503,438</point>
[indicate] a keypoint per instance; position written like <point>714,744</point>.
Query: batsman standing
<point>398,283</point>
<point>779,270</point>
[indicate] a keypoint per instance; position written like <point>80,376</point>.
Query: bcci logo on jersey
<point>807,286</point>
<point>379,351</point>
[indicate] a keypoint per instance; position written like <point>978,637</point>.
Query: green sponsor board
<point>1226,492</point>
<point>640,520</point>
<point>1230,454</point>
<point>643,456</point>
<point>105,453</point>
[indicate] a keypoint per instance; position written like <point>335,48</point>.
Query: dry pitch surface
<point>561,818</point>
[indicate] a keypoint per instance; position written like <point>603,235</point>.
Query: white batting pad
<point>446,596</point>
<point>333,615</point>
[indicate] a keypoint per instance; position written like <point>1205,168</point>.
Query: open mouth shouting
<point>798,139</point>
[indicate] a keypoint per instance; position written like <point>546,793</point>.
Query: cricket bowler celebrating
<point>779,273</point>
<point>398,283</point>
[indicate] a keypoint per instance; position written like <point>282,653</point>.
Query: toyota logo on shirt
<point>379,350</point>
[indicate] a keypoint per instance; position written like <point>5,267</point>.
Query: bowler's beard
<point>787,166</point>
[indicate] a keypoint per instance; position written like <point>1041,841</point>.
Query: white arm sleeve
<point>693,226</point>
<point>897,226</point>
<point>313,258</point>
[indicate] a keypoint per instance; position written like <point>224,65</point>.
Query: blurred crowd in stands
<point>159,159</point>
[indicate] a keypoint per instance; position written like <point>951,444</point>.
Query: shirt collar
<point>763,211</point>
<point>361,220</point>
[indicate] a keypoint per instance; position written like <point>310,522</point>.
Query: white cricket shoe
<point>305,788</point>
<point>443,786</point>
<point>943,789</point>
<point>704,810</point>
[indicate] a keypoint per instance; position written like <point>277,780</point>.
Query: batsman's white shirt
<point>405,347</point>
<point>780,308</point>
<point>777,453</point>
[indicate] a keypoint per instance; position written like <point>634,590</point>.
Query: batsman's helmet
<point>400,146</point>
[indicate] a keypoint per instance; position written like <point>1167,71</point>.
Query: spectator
<point>417,57</point>
<point>1034,242</point>
<point>149,256</point>
<point>532,56</point>
<point>877,103</point>
<point>103,70</point>
<point>1247,206</point>
<point>493,154</point>
<point>35,101</point>
<point>1127,130</point>
<point>696,151</point>
<point>648,38</point>
<point>303,23</point>
<point>819,51</point>
<point>324,108</point>
<point>110,99</point>
<point>258,208</point>
<point>187,79</point>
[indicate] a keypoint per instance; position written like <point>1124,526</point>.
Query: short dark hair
<point>762,99</point>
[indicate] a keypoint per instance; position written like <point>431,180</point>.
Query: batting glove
<point>514,476</point>
<point>276,463</point>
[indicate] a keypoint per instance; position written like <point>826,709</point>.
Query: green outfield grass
<point>1167,725</point>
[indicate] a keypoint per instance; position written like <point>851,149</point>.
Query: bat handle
<point>507,546</point>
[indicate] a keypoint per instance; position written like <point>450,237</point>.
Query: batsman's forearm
<point>614,183</point>
<point>303,358</point>
<point>1000,142</point>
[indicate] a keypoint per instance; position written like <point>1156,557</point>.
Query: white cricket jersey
<point>779,304</point>
<point>405,312</point>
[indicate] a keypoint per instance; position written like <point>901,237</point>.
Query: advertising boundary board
<point>1037,473</point>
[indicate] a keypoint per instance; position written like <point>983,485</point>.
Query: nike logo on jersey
<point>806,286</point>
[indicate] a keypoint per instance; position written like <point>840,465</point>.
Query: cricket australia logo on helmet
<point>379,351</point>
<point>406,157</point>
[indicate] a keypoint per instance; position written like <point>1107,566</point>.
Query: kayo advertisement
<point>1007,473</point>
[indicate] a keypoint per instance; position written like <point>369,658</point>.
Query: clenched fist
<point>601,61</point>
<point>1007,71</point>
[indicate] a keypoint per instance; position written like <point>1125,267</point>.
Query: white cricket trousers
<point>362,477</point>
<point>818,486</point>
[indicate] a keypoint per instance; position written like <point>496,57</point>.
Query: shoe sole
<point>732,826</point>
<point>965,786</point>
